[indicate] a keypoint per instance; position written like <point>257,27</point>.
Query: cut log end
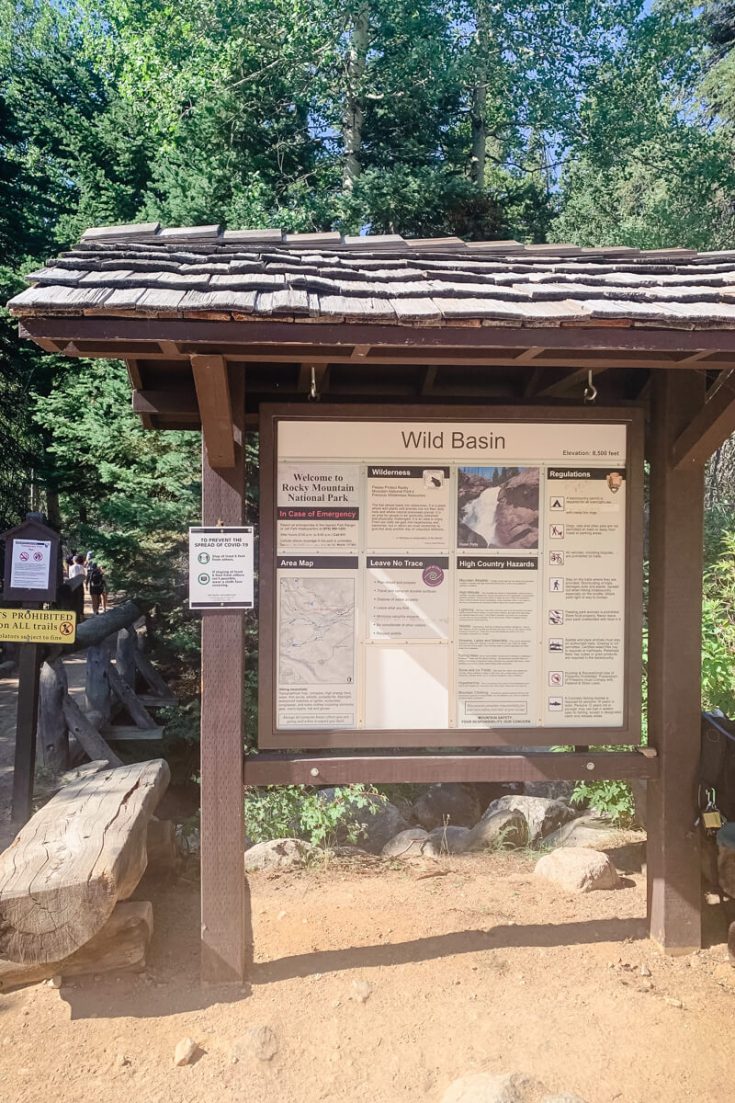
<point>120,946</point>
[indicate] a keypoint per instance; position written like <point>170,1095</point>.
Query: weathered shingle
<point>386,279</point>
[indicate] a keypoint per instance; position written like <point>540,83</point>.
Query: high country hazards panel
<point>449,575</point>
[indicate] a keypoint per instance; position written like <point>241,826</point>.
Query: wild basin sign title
<point>446,577</point>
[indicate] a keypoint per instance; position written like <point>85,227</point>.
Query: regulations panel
<point>450,578</point>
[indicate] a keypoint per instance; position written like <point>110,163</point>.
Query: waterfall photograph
<point>497,507</point>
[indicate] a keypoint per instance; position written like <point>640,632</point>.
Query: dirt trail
<point>481,968</point>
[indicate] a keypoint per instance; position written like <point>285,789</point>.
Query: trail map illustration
<point>317,630</point>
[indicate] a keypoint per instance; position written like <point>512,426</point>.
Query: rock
<point>516,514</point>
<point>278,854</point>
<point>55,982</point>
<point>482,1087</point>
<point>552,790</point>
<point>407,844</point>
<point>673,1002</point>
<point>185,1051</point>
<point>578,870</point>
<point>541,814</point>
<point>645,971</point>
<point>502,830</point>
<point>122,1060</point>
<point>377,823</point>
<point>589,831</point>
<point>445,840</point>
<point>260,1042</point>
<point>361,990</point>
<point>448,803</point>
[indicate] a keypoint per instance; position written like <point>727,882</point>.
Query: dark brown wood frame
<point>629,733</point>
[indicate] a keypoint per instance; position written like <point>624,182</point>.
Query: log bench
<point>62,878</point>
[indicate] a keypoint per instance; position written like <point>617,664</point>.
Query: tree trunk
<point>52,734</point>
<point>353,114</point>
<point>479,97</point>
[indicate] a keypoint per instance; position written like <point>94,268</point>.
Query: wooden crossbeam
<point>712,424</point>
<point>306,769</point>
<point>174,401</point>
<point>564,385</point>
<point>215,408</point>
<point>209,332</point>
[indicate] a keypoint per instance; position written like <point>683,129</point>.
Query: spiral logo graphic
<point>433,575</point>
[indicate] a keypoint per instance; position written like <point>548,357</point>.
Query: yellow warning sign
<point>37,626</point>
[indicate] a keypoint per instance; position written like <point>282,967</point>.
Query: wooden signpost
<point>31,578</point>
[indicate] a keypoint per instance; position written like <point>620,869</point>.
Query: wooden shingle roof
<point>145,271</point>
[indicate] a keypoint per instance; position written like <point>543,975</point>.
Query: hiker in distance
<point>97,585</point>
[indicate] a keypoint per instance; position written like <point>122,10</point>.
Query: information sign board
<point>30,565</point>
<point>221,568</point>
<point>37,626</point>
<point>443,580</point>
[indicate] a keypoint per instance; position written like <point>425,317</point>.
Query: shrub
<point>279,811</point>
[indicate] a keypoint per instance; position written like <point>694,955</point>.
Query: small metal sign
<point>37,626</point>
<point>221,567</point>
<point>31,562</point>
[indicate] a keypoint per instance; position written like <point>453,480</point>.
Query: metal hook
<point>313,392</point>
<point>590,391</point>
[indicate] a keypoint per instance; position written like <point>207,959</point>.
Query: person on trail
<point>97,584</point>
<point>76,566</point>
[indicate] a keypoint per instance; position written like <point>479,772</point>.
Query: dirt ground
<point>472,965</point>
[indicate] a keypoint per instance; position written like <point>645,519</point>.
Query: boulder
<point>377,821</point>
<point>278,854</point>
<point>407,844</point>
<point>578,870</point>
<point>541,814</point>
<point>482,1087</point>
<point>516,514</point>
<point>554,790</point>
<point>505,829</point>
<point>445,840</point>
<point>589,831</point>
<point>447,803</point>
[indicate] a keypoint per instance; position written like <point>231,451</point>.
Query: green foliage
<point>718,629</point>
<point>609,798</point>
<point>279,811</point>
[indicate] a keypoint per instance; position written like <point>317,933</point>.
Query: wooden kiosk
<point>440,336</point>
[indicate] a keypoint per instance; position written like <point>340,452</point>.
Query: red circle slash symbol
<point>38,556</point>
<point>66,628</point>
<point>24,556</point>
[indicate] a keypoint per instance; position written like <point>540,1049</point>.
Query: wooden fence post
<point>674,697</point>
<point>53,734</point>
<point>125,648</point>
<point>97,686</point>
<point>225,918</point>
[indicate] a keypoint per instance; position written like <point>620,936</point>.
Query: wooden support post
<point>25,732</point>
<point>211,380</point>
<point>675,609</point>
<point>225,919</point>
